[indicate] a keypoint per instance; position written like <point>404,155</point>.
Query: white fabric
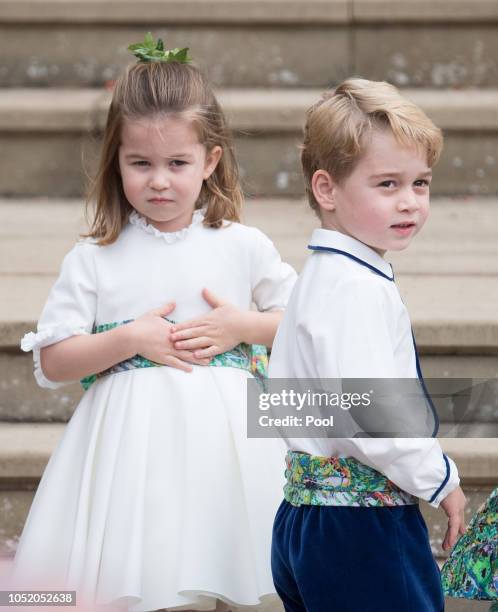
<point>345,320</point>
<point>154,497</point>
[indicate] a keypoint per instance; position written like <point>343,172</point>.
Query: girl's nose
<point>159,181</point>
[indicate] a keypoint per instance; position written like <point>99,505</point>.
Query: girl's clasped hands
<point>192,342</point>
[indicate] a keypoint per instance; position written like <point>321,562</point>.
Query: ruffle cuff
<point>45,337</point>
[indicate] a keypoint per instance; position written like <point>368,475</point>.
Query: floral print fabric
<point>338,481</point>
<point>250,357</point>
<point>471,571</point>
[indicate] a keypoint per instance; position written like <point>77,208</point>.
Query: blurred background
<point>269,60</point>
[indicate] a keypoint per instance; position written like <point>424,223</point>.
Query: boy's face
<point>384,202</point>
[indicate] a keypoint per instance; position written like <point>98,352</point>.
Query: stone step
<point>448,43</point>
<point>23,401</point>
<point>451,605</point>
<point>25,449</point>
<point>448,278</point>
<point>46,132</point>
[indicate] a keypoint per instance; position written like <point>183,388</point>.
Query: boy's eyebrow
<point>383,174</point>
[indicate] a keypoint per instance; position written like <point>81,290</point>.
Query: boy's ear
<point>212,158</point>
<point>323,187</point>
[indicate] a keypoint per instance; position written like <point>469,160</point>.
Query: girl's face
<point>162,166</point>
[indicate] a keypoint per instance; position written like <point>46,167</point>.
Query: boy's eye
<point>422,183</point>
<point>389,183</point>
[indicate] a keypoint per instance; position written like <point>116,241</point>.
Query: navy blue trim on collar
<point>353,257</point>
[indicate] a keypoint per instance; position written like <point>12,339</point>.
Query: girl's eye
<point>422,183</point>
<point>388,183</point>
<point>178,162</point>
<point>141,163</point>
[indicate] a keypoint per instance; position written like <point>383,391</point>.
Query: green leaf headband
<point>150,51</point>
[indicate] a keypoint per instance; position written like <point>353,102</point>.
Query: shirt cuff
<point>449,483</point>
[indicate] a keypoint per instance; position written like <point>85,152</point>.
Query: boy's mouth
<point>404,228</point>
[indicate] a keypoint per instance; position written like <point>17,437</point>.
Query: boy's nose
<point>408,201</point>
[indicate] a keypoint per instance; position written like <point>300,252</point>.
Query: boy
<point>363,544</point>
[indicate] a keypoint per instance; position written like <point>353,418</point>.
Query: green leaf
<point>149,41</point>
<point>182,55</point>
<point>150,51</point>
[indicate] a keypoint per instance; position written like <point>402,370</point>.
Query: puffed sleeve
<point>70,308</point>
<point>359,342</point>
<point>272,280</point>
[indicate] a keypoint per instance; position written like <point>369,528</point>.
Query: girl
<point>155,498</point>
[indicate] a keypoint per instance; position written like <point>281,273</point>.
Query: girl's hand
<point>454,504</point>
<point>150,334</point>
<point>212,334</point>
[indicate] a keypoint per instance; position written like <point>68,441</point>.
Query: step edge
<point>478,463</point>
<point>433,337</point>
<point>251,110</point>
<point>196,12</point>
<point>250,11</point>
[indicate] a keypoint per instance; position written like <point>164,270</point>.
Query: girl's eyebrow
<point>174,156</point>
<point>128,155</point>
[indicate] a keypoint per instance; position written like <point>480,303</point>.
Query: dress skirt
<point>155,498</point>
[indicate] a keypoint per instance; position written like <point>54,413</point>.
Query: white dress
<point>155,498</point>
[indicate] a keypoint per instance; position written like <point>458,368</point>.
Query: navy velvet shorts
<point>354,559</point>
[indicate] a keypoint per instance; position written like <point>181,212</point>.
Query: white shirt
<point>346,319</point>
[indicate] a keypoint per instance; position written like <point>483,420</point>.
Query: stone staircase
<point>46,131</point>
<point>269,59</point>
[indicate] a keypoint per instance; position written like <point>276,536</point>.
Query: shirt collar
<point>324,239</point>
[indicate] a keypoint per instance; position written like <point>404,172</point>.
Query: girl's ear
<point>212,158</point>
<point>323,187</point>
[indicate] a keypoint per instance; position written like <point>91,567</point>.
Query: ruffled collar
<point>140,221</point>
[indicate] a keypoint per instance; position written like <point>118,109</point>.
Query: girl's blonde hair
<point>337,127</point>
<point>177,90</point>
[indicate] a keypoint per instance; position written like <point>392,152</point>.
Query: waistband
<point>250,357</point>
<point>339,481</point>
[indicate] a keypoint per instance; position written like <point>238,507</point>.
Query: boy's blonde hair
<point>173,90</point>
<point>338,124</point>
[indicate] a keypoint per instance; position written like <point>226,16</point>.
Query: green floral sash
<point>338,481</point>
<point>250,357</point>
